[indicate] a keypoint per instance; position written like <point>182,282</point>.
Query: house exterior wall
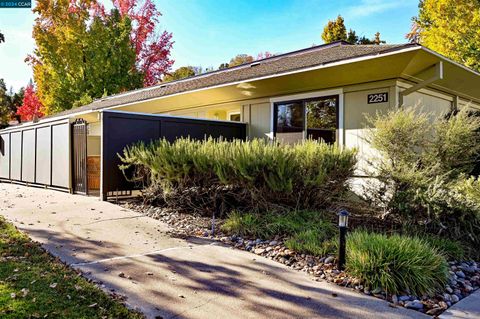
<point>258,113</point>
<point>355,119</point>
<point>462,103</point>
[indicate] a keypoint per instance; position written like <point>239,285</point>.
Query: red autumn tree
<point>152,48</point>
<point>264,55</point>
<point>31,105</point>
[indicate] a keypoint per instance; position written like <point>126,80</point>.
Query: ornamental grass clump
<point>254,175</point>
<point>396,263</point>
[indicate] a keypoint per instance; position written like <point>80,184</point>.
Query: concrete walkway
<point>467,308</point>
<point>167,277</point>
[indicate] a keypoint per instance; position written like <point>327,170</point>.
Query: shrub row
<point>424,166</point>
<point>248,175</point>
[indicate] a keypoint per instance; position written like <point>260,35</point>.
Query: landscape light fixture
<point>342,225</point>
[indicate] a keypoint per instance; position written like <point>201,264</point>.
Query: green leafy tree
<point>451,28</point>
<point>334,30</point>
<point>77,56</point>
<point>5,113</point>
<point>245,58</point>
<point>223,66</point>
<point>82,52</point>
<point>352,37</point>
<point>16,102</point>
<point>180,73</point>
<point>240,59</point>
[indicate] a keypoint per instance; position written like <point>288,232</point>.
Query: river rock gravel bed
<point>464,276</point>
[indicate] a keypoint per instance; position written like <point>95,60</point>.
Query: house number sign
<point>377,98</point>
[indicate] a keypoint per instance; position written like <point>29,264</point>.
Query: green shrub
<point>247,175</point>
<point>422,168</point>
<point>305,231</point>
<point>396,263</point>
<point>312,241</point>
<point>246,224</point>
<point>272,224</point>
<point>452,250</point>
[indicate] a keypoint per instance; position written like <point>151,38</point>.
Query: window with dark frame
<point>315,118</point>
<point>235,117</point>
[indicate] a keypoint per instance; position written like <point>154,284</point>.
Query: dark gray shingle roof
<point>296,60</point>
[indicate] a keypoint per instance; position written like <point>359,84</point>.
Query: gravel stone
<point>416,304</point>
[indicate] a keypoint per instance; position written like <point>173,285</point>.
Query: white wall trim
<point>308,95</point>
<point>341,120</point>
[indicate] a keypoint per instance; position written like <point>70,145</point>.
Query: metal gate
<point>79,156</point>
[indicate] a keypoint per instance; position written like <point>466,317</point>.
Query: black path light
<point>342,225</point>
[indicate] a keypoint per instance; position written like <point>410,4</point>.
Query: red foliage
<point>31,105</point>
<point>264,55</point>
<point>152,49</point>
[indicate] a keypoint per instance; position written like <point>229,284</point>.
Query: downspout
<point>437,76</point>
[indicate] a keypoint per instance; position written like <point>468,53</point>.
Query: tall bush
<point>250,175</point>
<point>423,165</point>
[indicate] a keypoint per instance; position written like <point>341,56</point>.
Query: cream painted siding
<point>259,119</point>
<point>467,103</point>
<point>189,113</point>
<point>356,108</point>
<point>431,104</point>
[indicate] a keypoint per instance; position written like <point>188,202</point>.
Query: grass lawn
<point>33,284</point>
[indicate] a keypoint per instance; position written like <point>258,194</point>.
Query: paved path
<point>176,278</point>
<point>467,308</point>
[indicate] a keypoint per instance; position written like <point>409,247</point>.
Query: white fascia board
<point>170,116</point>
<point>449,60</point>
<point>309,95</point>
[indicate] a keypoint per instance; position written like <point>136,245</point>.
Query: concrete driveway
<point>167,277</point>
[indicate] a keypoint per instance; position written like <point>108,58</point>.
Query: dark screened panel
<point>5,155</point>
<point>121,129</point>
<point>28,156</point>
<point>16,156</point>
<point>43,152</point>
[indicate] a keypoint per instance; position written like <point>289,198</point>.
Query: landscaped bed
<point>463,276</point>
<point>414,225</point>
<point>33,284</point>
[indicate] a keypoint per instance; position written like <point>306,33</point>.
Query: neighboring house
<point>319,92</point>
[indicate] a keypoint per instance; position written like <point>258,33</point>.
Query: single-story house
<point>321,92</point>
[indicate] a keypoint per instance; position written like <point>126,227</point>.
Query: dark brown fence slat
<point>79,156</point>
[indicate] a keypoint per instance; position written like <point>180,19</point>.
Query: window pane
<point>235,117</point>
<point>289,122</point>
<point>322,119</point>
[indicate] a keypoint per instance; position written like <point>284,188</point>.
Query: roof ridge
<point>286,62</point>
<point>291,53</point>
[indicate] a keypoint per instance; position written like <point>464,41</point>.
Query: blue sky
<point>209,32</point>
